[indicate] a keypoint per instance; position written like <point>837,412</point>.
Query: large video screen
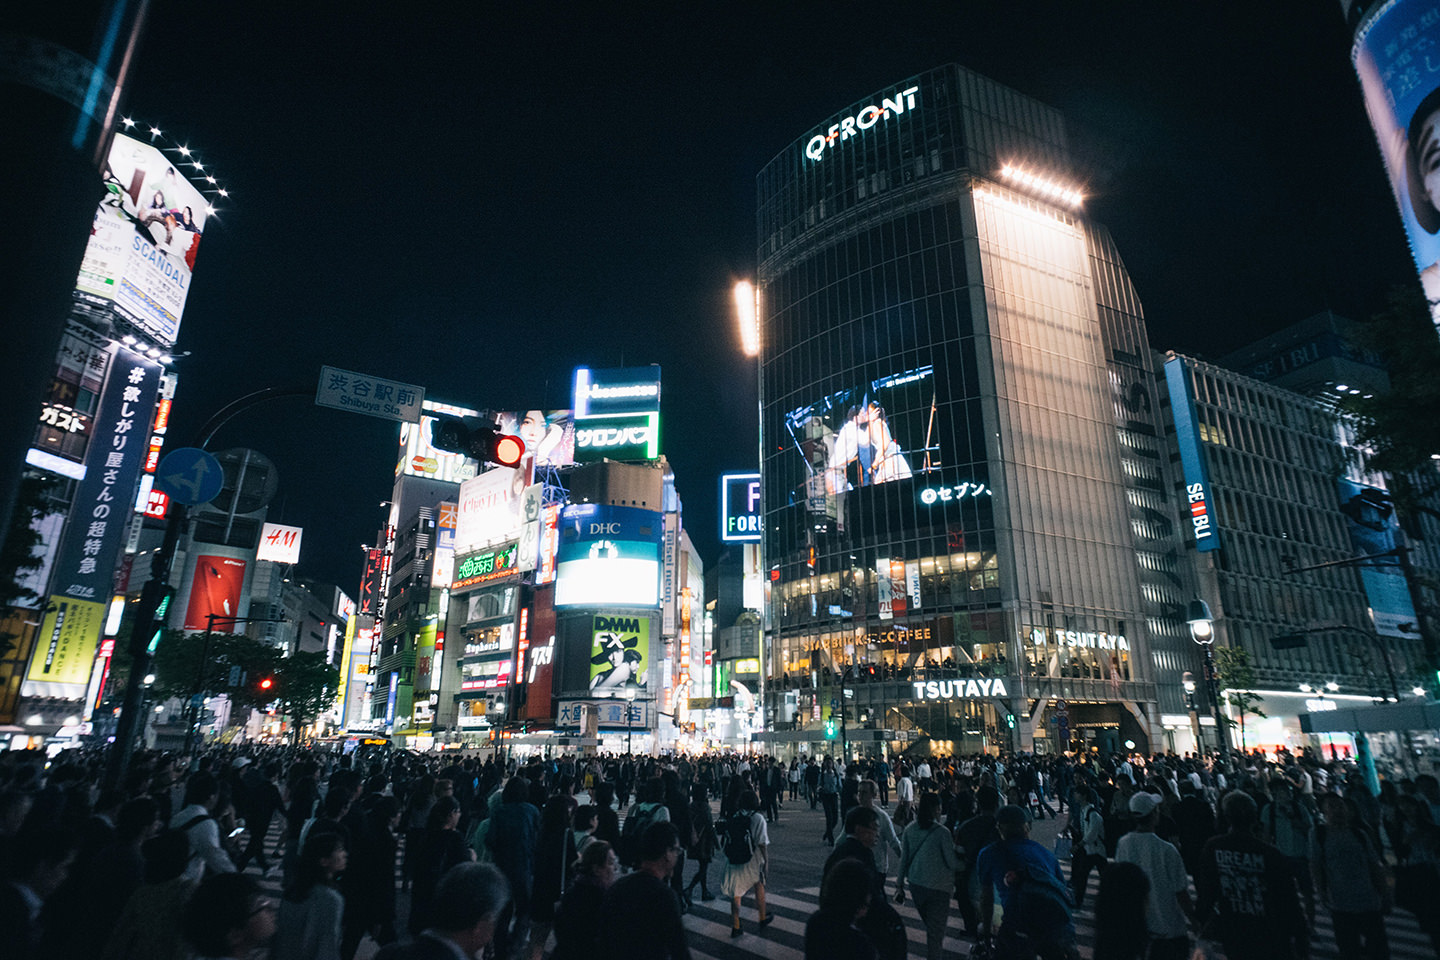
<point>549,435</point>
<point>869,434</point>
<point>608,556</point>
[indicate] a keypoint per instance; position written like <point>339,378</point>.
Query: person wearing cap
<point>1168,910</point>
<point>1019,869</point>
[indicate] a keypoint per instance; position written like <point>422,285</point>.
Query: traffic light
<point>483,441</point>
<point>1010,720</point>
<point>267,683</point>
<point>830,729</point>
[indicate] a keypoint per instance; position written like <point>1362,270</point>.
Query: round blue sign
<point>190,476</point>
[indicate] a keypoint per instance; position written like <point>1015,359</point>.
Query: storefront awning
<point>1378,719</point>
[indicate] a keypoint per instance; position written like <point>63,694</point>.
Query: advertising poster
<point>419,457</point>
<point>215,594</point>
<point>540,659</point>
<point>1198,500</point>
<point>868,434</point>
<point>619,390</point>
<point>1395,56</point>
<point>549,544</point>
<point>608,556</point>
<point>425,657</point>
<point>369,602</point>
<point>549,435</point>
<point>145,238</point>
<point>443,569</point>
<point>619,652</point>
<point>1373,529</point>
<point>279,543</point>
<point>489,509</point>
<point>65,649</point>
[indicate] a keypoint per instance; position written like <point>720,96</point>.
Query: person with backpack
<point>197,822</point>
<point>928,861</point>
<point>649,807</point>
<point>1087,838</point>
<point>1037,908</point>
<point>745,840</point>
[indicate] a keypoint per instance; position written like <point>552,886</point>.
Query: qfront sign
<point>864,118</point>
<point>740,507</point>
<point>959,689</point>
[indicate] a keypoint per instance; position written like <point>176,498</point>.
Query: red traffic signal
<point>266,684</point>
<point>506,449</point>
<point>483,442</point>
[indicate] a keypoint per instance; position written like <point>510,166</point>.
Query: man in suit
<point>468,902</point>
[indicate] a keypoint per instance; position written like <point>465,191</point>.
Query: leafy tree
<point>180,672</point>
<point>306,684</point>
<point>1237,675</point>
<point>19,556</point>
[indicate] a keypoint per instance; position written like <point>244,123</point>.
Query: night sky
<point>479,199</point>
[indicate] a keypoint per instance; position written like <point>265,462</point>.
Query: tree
<point>306,686</point>
<point>179,671</point>
<point>19,556</point>
<point>1237,675</point>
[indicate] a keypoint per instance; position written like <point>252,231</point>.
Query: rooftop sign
<point>864,119</point>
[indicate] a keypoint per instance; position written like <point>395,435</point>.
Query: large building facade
<point>968,536</point>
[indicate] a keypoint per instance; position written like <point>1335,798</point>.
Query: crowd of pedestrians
<point>600,857</point>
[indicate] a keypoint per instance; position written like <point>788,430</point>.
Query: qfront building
<point>969,539</point>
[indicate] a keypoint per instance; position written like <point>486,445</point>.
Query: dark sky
<point>478,197</point>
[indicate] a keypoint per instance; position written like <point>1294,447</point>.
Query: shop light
<point>1042,185</point>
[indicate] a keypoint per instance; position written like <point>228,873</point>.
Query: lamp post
<point>630,691</point>
<point>1187,679</point>
<point>1202,631</point>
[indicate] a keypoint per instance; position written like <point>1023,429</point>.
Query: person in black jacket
<point>578,919</point>
<point>881,923</point>
<point>554,862</point>
<point>640,915</point>
<point>467,904</point>
<point>830,933</point>
<point>442,848</point>
<point>369,881</point>
<point>702,823</point>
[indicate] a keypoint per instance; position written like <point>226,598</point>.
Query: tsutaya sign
<point>959,689</point>
<point>1080,638</point>
<point>864,119</point>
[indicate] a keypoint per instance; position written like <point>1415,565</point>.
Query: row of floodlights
<point>154,353</point>
<point>1042,185</point>
<point>190,159</point>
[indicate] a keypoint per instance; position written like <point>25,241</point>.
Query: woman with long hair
<point>441,847</point>
<point>308,927</point>
<point>577,919</point>
<point>1120,929</point>
<point>706,841</point>
<point>554,861</point>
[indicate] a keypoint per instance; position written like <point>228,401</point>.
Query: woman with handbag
<point>928,861</point>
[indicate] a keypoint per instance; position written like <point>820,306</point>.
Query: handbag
<point>1063,847</point>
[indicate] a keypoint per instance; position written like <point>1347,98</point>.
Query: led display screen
<point>868,434</point>
<point>619,652</point>
<point>608,556</point>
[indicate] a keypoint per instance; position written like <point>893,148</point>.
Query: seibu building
<point>970,540</point>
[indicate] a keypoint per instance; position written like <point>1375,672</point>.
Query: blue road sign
<point>190,476</point>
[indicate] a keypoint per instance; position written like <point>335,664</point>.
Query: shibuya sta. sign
<point>959,689</point>
<point>864,119</point>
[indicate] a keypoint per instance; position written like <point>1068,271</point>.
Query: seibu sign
<point>864,119</point>
<point>959,689</point>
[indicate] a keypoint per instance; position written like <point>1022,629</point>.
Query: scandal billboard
<point>145,238</point>
<point>1395,57</point>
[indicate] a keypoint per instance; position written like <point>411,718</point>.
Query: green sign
<point>482,567</point>
<point>617,436</point>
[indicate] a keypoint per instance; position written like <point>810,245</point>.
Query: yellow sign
<point>65,648</point>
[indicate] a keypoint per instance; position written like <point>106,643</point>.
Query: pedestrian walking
<point>927,863</point>
<point>1038,919</point>
<point>1350,878</point>
<point>746,844</point>
<point>465,911</point>
<point>228,916</point>
<point>1168,911</point>
<point>707,842</point>
<point>1121,913</point>
<point>829,791</point>
<point>1087,832</point>
<point>846,895</point>
<point>640,915</point>
<point>1246,892</point>
<point>578,917</point>
<point>309,923</point>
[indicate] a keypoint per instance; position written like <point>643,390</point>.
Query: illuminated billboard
<point>868,434</point>
<point>624,390</point>
<point>419,457</point>
<point>443,569</point>
<point>1373,532</point>
<point>215,594</point>
<point>1392,54</point>
<point>279,543</point>
<point>608,556</point>
<point>484,567</point>
<point>619,652</point>
<point>617,436</point>
<point>549,436</point>
<point>740,507</point>
<point>1199,500</point>
<point>145,238</point>
<point>490,508</point>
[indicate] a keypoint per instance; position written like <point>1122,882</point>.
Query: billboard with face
<point>868,434</point>
<point>1393,53</point>
<point>490,508</point>
<point>549,436</point>
<point>145,238</point>
<point>619,652</point>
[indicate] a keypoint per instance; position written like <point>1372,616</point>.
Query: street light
<point>630,691</point>
<point>1202,631</point>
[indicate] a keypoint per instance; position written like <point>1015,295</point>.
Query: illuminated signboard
<point>740,507</point>
<point>1079,638</point>
<point>864,118</point>
<point>279,543</point>
<point>489,509</point>
<point>626,390</point>
<point>960,491</point>
<point>959,689</point>
<point>484,567</point>
<point>421,458</point>
<point>608,556</point>
<point>1199,502</point>
<point>619,652</point>
<point>620,436</point>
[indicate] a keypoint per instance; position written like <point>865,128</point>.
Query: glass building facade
<point>969,538</point>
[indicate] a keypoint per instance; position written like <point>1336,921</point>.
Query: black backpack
<point>635,825</point>
<point>737,839</point>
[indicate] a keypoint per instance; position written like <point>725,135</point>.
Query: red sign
<point>158,504</point>
<point>215,594</point>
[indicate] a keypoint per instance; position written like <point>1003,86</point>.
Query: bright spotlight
<point>747,314</point>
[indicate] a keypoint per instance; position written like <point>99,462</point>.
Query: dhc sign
<point>864,119</point>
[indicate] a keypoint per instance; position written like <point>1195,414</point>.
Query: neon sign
<point>959,689</point>
<point>864,119</point>
<point>933,495</point>
<point>486,566</point>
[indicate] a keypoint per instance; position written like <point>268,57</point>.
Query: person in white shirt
<point>923,774</point>
<point>869,795</point>
<point>198,824</point>
<point>1168,909</point>
<point>905,794</point>
<point>1087,827</point>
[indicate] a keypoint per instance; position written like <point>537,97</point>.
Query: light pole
<point>630,691</point>
<point>1202,631</point>
<point>1187,679</point>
